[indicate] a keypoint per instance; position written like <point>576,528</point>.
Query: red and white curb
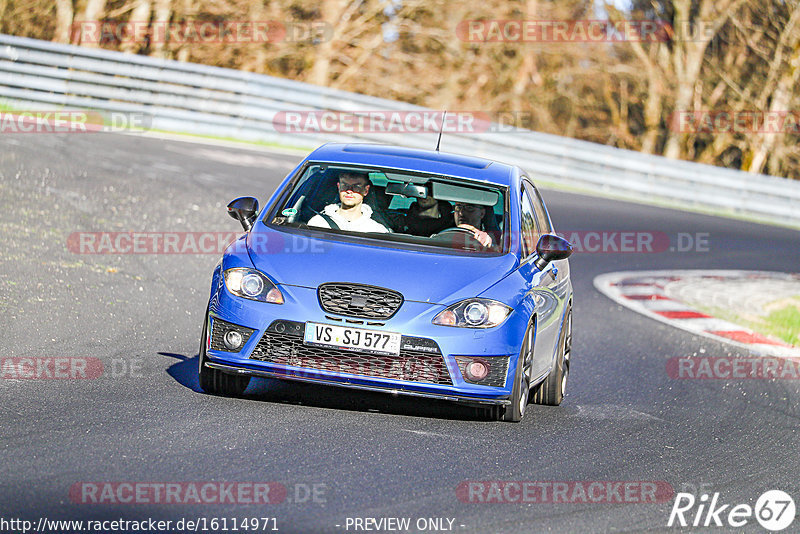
<point>648,293</point>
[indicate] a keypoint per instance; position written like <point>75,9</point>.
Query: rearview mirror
<point>550,248</point>
<point>244,209</point>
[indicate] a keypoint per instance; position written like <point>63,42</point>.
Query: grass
<point>783,323</point>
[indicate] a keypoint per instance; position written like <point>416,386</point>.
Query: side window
<point>530,233</point>
<point>542,219</point>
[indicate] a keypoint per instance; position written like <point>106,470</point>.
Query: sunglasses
<point>355,188</point>
<point>466,208</point>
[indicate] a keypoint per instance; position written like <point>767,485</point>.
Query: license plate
<point>345,337</point>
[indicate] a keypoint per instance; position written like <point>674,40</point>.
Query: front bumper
<point>283,374</point>
<point>499,346</point>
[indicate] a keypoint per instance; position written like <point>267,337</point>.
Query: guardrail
<point>205,100</point>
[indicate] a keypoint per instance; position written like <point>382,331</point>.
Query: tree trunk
<point>766,140</point>
<point>332,11</point>
<point>64,16</point>
<point>140,15</point>
<point>93,14</point>
<point>687,58</point>
<point>163,12</point>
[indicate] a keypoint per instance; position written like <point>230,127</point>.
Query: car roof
<point>412,159</point>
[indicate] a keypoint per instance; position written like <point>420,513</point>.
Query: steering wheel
<point>459,230</point>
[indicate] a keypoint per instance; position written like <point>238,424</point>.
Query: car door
<point>544,286</point>
<point>563,286</point>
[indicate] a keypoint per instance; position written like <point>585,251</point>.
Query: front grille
<point>420,359</point>
<point>498,369</point>
<point>218,330</point>
<point>357,300</point>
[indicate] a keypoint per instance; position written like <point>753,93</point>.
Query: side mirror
<point>550,248</point>
<point>244,209</point>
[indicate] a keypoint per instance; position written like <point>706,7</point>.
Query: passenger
<point>470,217</point>
<point>351,213</point>
<point>428,216</point>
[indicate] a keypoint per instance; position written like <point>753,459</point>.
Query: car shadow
<point>185,371</point>
<point>291,392</point>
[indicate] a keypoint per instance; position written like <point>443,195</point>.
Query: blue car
<point>391,269</point>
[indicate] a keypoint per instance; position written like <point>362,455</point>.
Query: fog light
<point>232,340</point>
<point>477,370</point>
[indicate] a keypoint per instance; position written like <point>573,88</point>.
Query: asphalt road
<point>369,455</point>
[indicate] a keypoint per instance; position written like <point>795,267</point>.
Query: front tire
<point>514,412</point>
<point>214,381</point>
<point>552,390</point>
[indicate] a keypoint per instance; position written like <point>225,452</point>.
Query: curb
<point>645,292</point>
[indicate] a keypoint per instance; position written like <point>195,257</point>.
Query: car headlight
<point>473,313</point>
<point>251,284</point>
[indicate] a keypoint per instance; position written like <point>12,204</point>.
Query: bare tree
<point>64,16</point>
<point>687,54</point>
<point>337,13</point>
<point>93,12</point>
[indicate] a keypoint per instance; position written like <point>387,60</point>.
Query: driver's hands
<point>482,237</point>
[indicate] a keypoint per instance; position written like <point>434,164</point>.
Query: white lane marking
<point>710,324</point>
<point>208,141</point>
<point>663,305</point>
<point>423,433</point>
<point>640,290</point>
<point>229,158</point>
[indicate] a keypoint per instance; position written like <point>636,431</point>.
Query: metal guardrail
<point>226,103</point>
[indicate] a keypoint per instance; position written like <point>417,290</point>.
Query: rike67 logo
<point>774,510</point>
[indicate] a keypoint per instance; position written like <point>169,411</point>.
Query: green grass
<point>783,323</point>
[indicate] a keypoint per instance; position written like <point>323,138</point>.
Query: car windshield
<point>395,207</point>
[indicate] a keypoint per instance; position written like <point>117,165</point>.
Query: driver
<point>428,216</point>
<point>350,213</point>
<point>470,217</point>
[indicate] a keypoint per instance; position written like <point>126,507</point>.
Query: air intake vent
<point>357,300</point>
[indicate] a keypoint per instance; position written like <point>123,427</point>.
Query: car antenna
<point>440,131</point>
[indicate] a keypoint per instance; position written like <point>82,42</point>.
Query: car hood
<point>426,277</point>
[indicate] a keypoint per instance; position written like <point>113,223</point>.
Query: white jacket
<point>362,224</point>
